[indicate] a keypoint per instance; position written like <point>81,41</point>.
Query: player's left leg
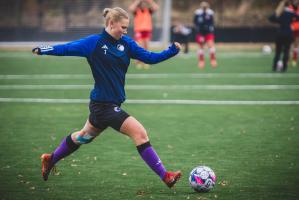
<point>138,39</point>
<point>67,146</point>
<point>201,56</point>
<point>134,129</point>
<point>286,52</point>
<point>212,49</point>
<point>295,49</point>
<point>295,56</point>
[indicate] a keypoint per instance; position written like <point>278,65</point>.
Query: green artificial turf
<point>253,149</point>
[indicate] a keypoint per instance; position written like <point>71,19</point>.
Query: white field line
<point>152,101</point>
<point>152,76</point>
<point>154,87</point>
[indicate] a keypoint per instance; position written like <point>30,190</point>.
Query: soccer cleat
<point>47,165</point>
<point>294,63</point>
<point>171,178</point>
<point>201,64</point>
<point>213,63</point>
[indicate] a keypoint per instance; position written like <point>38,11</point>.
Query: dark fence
<point>241,34</point>
<point>266,34</point>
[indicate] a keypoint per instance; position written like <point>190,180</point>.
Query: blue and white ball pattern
<point>202,179</point>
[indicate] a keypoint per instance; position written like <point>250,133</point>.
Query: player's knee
<point>212,49</point>
<point>83,137</point>
<point>142,136</point>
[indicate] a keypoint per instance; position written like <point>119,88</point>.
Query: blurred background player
<point>295,27</point>
<point>284,16</point>
<point>142,11</point>
<point>204,25</point>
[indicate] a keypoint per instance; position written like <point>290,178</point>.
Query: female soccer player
<point>108,55</point>
<point>204,25</point>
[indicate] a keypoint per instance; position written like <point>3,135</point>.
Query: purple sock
<point>151,158</point>
<point>66,147</point>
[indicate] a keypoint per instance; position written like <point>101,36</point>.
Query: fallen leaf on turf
<point>140,193</point>
<point>223,183</point>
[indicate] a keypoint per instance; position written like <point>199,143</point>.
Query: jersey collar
<point>109,37</point>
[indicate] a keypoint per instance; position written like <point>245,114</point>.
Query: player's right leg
<point>67,146</point>
<point>200,53</point>
<point>295,50</point>
<point>286,52</point>
<point>212,49</point>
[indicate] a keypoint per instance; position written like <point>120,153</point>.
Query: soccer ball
<point>202,179</point>
<point>267,49</point>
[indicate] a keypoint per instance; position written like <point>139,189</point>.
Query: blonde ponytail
<point>105,12</point>
<point>114,14</point>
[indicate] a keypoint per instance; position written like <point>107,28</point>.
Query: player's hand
<point>36,50</point>
<point>177,45</point>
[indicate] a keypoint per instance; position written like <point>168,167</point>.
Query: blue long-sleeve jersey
<point>109,60</point>
<point>204,21</point>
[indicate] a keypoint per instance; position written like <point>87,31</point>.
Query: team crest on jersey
<point>120,47</point>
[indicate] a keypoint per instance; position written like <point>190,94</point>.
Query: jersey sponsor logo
<point>117,109</point>
<point>105,48</point>
<point>120,47</point>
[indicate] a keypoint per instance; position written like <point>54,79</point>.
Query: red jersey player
<point>295,27</point>
<point>204,25</point>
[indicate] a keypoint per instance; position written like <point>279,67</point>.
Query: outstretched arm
<point>280,8</point>
<point>82,48</point>
<point>149,57</point>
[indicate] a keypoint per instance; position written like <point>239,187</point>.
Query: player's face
<point>119,28</point>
